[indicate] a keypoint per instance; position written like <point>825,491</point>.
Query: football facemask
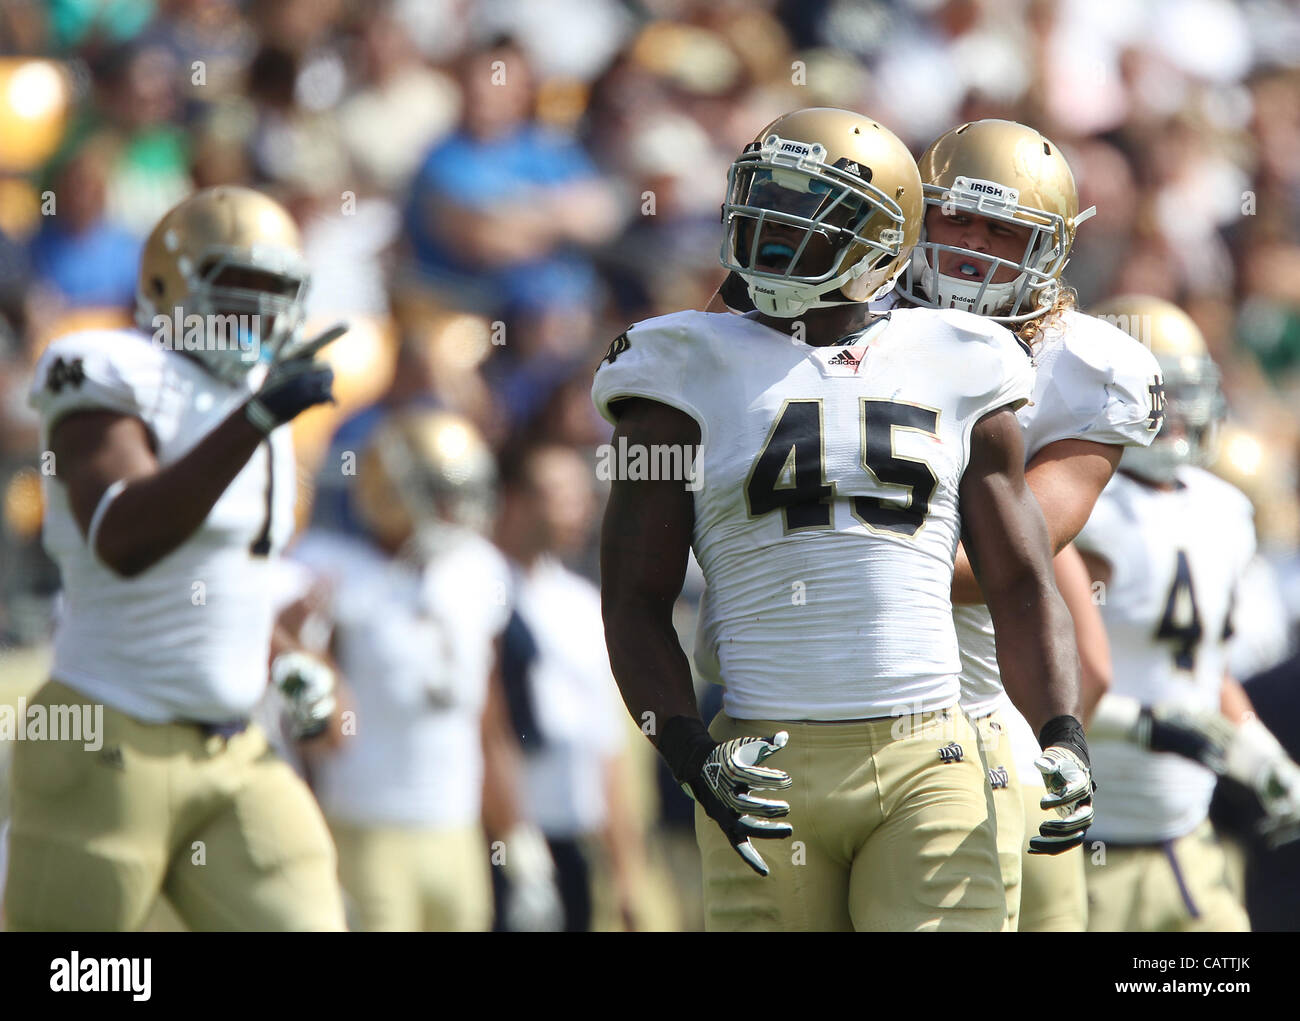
<point>798,228</point>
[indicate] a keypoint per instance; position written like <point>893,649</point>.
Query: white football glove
<point>721,777</point>
<point>1256,759</point>
<point>307,686</point>
<point>1069,791</point>
<point>534,903</point>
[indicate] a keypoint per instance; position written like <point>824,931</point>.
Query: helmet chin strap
<point>787,301</point>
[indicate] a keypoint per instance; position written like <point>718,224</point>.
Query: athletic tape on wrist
<point>1065,732</point>
<point>685,743</point>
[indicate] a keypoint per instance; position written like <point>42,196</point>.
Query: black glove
<point>1203,736</point>
<point>720,777</point>
<point>293,385</point>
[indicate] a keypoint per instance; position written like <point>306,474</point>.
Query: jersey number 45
<point>789,474</point>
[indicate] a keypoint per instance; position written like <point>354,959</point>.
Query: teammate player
<point>1001,213</point>
<point>415,608</point>
<point>839,457</point>
<point>173,485</point>
<point>1170,542</point>
<point>1001,216</point>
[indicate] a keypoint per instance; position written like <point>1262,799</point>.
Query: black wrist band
<point>685,744</point>
<point>1067,732</point>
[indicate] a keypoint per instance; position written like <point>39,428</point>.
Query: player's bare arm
<point>644,546</point>
<point>1066,477</point>
<point>1004,531</point>
<point>155,509</point>
<point>1075,586</point>
<point>160,507</point>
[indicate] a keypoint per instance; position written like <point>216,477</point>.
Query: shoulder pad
<point>660,359</point>
<point>987,365</point>
<point>1106,386</point>
<point>97,370</point>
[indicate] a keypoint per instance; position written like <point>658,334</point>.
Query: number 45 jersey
<point>1176,558</point>
<point>826,498</point>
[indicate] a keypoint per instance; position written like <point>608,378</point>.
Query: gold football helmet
<point>1193,403</point>
<point>1004,171</point>
<point>1265,471</point>
<point>822,209</point>
<point>231,256</point>
<point>424,475</point>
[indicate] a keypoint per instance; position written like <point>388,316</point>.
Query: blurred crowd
<point>491,190</point>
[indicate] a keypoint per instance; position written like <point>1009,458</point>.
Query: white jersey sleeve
<point>660,359</point>
<point>1095,383</point>
<point>98,370</point>
<point>997,372</point>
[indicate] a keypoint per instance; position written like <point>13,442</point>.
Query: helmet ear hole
<point>156,285</point>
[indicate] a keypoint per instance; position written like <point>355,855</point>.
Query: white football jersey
<point>579,715</point>
<point>1093,382</point>
<point>826,518</point>
<point>1261,639</point>
<point>187,639</point>
<point>415,647</point>
<point>1177,558</point>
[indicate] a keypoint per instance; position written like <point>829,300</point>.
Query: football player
<point>1001,215</point>
<point>173,485</point>
<point>841,456</point>
<point>1170,542</point>
<point>414,609</point>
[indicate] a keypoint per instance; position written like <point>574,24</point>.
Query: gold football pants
<point>222,827</point>
<point>890,833</point>
<point>415,879</point>
<point>1182,885</point>
<point>1008,806</point>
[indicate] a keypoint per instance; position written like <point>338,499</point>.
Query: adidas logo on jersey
<point>846,361</point>
<point>998,777</point>
<point>951,753</point>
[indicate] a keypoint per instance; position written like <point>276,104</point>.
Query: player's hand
<point>307,686</point>
<point>294,384</point>
<point>1069,790</point>
<point>1203,736</point>
<point>1256,759</point>
<point>1279,793</point>
<point>533,903</point>
<point>720,777</point>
